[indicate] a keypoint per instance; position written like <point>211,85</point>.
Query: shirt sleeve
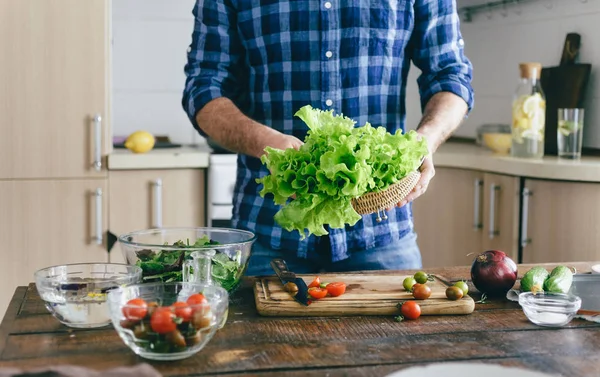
<point>437,49</point>
<point>212,69</point>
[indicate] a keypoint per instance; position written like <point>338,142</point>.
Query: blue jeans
<point>401,255</point>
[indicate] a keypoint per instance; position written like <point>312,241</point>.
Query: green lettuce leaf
<point>337,162</point>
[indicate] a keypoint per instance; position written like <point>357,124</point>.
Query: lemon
<point>140,142</point>
<point>533,104</point>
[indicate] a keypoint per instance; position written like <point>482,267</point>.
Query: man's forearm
<point>230,128</point>
<point>443,114</point>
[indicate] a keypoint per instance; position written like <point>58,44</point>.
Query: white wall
<point>496,46</point>
<point>150,39</point>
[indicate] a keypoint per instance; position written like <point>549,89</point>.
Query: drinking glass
<point>570,133</point>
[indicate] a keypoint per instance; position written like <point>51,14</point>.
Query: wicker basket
<point>377,202</point>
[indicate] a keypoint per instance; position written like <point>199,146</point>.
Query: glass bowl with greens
<point>161,252</point>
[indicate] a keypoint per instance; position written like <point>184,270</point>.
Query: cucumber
<point>559,281</point>
<point>533,280</point>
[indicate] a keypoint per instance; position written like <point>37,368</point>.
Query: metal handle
<point>157,203</point>
<point>524,216</point>
<point>97,164</point>
<point>492,231</point>
<point>98,235</point>
<point>477,205</point>
<point>281,269</point>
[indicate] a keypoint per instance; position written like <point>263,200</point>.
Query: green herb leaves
<point>336,163</point>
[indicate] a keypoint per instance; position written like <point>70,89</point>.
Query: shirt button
<point>329,102</point>
<point>329,54</point>
<point>189,49</point>
<point>327,5</point>
<point>461,42</point>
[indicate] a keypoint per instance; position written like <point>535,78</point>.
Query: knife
<point>287,276</point>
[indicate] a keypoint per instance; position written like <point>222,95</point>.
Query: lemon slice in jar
<point>532,105</point>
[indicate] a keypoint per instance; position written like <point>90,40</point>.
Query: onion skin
<point>493,273</point>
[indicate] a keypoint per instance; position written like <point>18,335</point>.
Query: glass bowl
<point>172,321</point>
<point>76,293</point>
<point>549,309</point>
<point>161,252</point>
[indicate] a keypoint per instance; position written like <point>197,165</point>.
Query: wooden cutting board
<point>366,294</point>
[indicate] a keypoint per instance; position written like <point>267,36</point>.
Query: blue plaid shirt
<point>271,57</point>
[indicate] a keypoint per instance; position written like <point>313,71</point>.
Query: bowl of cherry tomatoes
<point>167,321</point>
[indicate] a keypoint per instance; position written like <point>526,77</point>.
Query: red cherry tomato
<point>336,288</point>
<point>410,310</point>
<point>163,321</point>
<point>197,299</point>
<point>135,309</point>
<point>183,311</point>
<point>317,293</point>
<point>315,283</point>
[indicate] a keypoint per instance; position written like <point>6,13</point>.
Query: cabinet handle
<point>492,231</point>
<point>98,197</point>
<point>157,184</point>
<point>97,164</point>
<point>524,216</point>
<point>477,205</point>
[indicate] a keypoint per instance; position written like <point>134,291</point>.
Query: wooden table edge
<point>11,315</point>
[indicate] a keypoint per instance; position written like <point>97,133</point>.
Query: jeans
<point>403,254</point>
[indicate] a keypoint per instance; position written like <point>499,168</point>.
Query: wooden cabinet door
<point>53,81</point>
<point>141,199</point>
<point>448,218</point>
<point>49,222</point>
<point>561,221</point>
<point>501,214</point>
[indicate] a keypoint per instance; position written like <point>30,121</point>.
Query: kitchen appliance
<point>222,173</point>
<point>565,87</point>
<point>289,279</point>
<point>372,293</point>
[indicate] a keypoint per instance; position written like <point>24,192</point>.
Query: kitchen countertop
<point>453,154</point>
<point>167,158</point>
<point>497,332</point>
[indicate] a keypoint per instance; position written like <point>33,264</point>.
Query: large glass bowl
<point>167,324</point>
<point>161,252</point>
<point>76,293</point>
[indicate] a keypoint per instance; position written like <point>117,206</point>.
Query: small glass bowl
<point>549,309</point>
<point>158,337</point>
<point>75,294</point>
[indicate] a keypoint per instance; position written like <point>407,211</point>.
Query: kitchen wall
<point>496,45</point>
<point>150,39</point>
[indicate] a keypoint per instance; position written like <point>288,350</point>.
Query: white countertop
<point>451,154</point>
<point>471,156</point>
<point>188,157</point>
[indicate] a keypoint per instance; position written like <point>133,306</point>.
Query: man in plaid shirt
<point>253,63</point>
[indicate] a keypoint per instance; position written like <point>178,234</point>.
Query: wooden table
<point>497,332</point>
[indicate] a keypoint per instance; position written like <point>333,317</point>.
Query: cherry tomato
<point>408,283</point>
<point>421,277</point>
<point>135,309</point>
<point>410,310</point>
<point>196,299</point>
<point>337,288</point>
<point>421,291</point>
<point>163,321</point>
<point>315,283</point>
<point>463,286</point>
<point>317,293</point>
<point>454,293</point>
<point>183,311</point>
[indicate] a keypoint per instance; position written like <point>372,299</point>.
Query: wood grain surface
<point>366,294</point>
<point>253,345</point>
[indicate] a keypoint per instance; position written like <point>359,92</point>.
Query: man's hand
<point>281,141</point>
<point>427,173</point>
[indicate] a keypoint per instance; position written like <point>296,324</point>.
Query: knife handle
<point>281,269</point>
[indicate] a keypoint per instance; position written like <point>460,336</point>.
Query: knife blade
<point>287,276</point>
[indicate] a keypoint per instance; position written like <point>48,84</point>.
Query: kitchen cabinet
<point>49,222</point>
<point>141,199</point>
<point>559,221</point>
<point>465,212</point>
<point>54,97</point>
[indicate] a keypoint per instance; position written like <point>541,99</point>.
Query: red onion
<point>493,273</point>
